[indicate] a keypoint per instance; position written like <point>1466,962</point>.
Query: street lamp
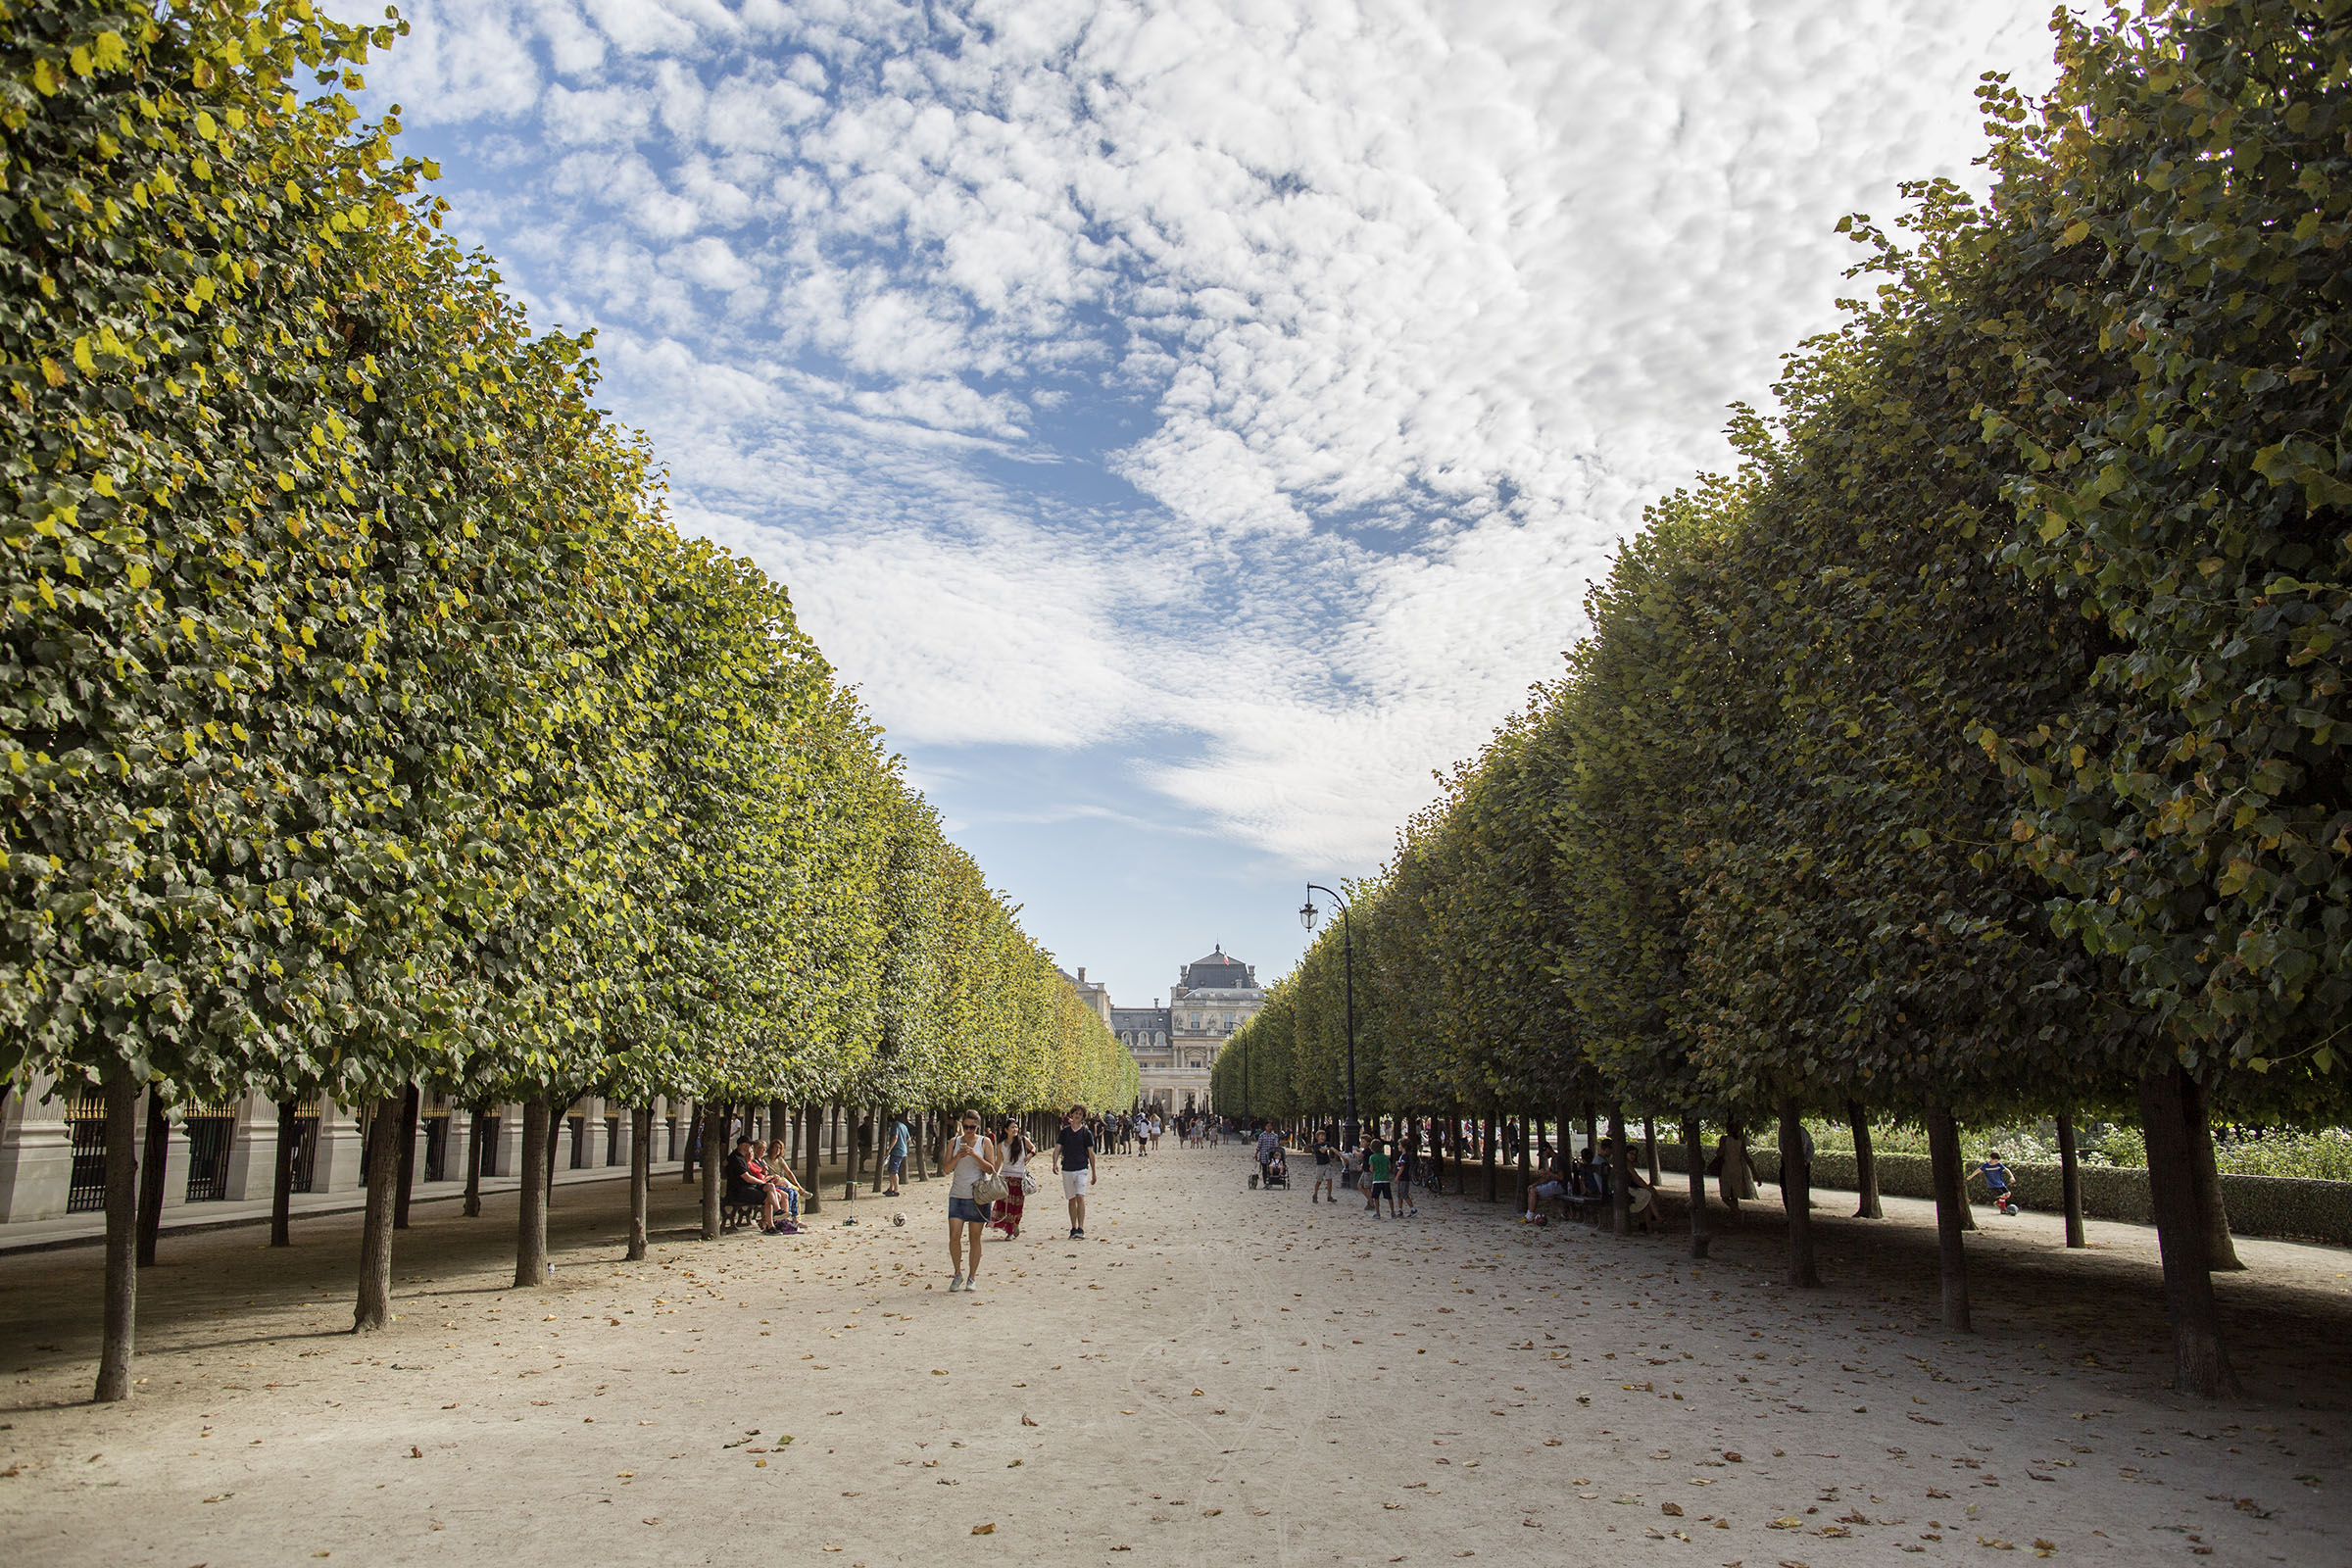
<point>1306,917</point>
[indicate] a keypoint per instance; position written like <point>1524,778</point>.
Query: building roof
<point>1220,970</point>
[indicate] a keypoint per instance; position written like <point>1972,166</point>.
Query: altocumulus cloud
<point>1074,360</point>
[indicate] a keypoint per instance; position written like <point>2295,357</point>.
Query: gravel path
<point>1215,1376</point>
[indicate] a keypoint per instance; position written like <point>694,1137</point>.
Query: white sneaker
<point>955,1284</point>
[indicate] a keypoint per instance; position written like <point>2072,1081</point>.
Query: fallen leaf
<point>984,1530</point>
<point>415,1452</point>
<point>1027,1421</point>
<point>1672,1511</point>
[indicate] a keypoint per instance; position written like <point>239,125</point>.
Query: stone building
<point>1094,993</point>
<point>53,1152</point>
<point>1175,1046</point>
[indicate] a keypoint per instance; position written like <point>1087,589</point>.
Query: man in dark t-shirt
<point>1074,1159</point>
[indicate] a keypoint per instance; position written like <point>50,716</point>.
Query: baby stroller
<point>1277,1172</point>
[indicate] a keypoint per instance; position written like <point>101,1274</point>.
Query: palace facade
<point>1175,1046</point>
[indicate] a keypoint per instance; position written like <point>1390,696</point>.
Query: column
<point>510,1140</point>
<point>175,1150</point>
<point>36,1152</point>
<point>342,1153</point>
<point>624,1142</point>
<point>460,1138</point>
<point>253,1149</point>
<point>417,1155</point>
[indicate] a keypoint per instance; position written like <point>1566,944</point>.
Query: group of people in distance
<point>1585,1178</point>
<point>765,1178</point>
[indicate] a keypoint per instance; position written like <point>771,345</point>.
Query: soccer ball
<point>899,1219</point>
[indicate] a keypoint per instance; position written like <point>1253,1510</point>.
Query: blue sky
<point>1189,424</point>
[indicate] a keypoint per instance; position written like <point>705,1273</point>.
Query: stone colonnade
<point>227,1152</point>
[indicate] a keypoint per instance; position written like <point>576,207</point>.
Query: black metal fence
<point>85,1116</point>
<point>210,1130</point>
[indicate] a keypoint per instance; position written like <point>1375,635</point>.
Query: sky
<point>1188,424</point>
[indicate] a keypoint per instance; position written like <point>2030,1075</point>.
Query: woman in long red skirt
<point>1015,1148</point>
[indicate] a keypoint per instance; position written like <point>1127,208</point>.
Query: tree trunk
<point>812,1153</point>
<point>281,1177</point>
<point>475,1151</point>
<point>698,1118</point>
<point>2201,1366</point>
<point>1952,1208</point>
<point>2220,1253</point>
<point>853,1164</point>
<point>1695,1162</point>
<point>555,1147</point>
<point>1485,1158</point>
<point>1621,1168</point>
<point>881,1146</point>
<point>715,1157</point>
<point>1649,1149</point>
<point>780,1118</point>
<point>374,1309</point>
<point>2069,1182</point>
<point>641,1175</point>
<point>117,1337</point>
<point>1526,1154</point>
<point>151,1174</point>
<point>530,1213</point>
<point>1796,1198</point>
<point>412,1105</point>
<point>1866,1164</point>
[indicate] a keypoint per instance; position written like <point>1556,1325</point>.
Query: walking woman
<point>1015,1149</point>
<point>969,1156</point>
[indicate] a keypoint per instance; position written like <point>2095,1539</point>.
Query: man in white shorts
<point>1074,1158</point>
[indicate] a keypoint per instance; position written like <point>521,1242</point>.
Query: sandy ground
<point>1214,1376</point>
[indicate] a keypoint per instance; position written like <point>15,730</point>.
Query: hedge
<point>2287,1207</point>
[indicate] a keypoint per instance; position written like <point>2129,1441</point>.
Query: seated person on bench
<point>788,1193</point>
<point>1550,1182</point>
<point>1641,1200</point>
<point>1593,1172</point>
<point>748,1184</point>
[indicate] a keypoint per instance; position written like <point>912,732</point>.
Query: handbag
<point>990,1188</point>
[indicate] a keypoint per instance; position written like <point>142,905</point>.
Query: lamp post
<point>1306,917</point>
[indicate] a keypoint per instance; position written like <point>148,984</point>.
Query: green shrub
<point>2297,1207</point>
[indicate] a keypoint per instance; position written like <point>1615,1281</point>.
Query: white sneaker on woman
<point>955,1284</point>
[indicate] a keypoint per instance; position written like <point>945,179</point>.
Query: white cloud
<point>1075,358</point>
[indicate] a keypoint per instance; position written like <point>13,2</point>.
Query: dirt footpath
<point>1215,1376</point>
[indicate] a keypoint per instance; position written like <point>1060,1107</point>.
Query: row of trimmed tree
<point>362,724</point>
<point>1978,749</point>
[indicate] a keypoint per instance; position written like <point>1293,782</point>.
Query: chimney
<point>1082,974</point>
